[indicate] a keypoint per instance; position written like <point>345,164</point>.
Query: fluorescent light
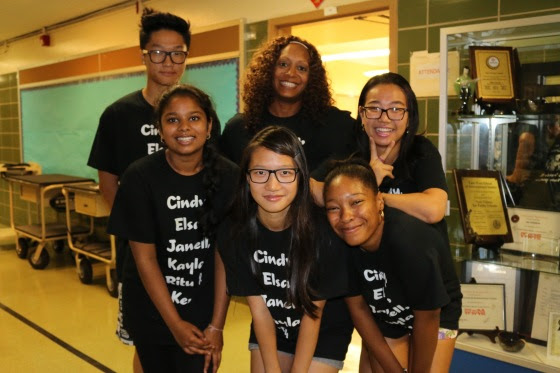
<point>371,73</point>
<point>355,55</point>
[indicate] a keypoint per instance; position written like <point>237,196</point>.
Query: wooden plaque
<point>482,207</point>
<point>494,69</point>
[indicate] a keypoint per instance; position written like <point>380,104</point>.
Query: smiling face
<point>167,73</point>
<point>291,73</point>
<point>273,198</point>
<point>184,127</point>
<point>384,130</point>
<point>353,211</point>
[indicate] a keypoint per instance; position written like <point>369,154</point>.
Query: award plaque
<point>494,70</point>
<point>482,207</point>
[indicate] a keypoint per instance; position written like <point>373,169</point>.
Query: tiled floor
<point>50,322</point>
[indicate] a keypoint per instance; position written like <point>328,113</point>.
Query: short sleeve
<point>333,263</point>
<point>132,215</point>
<point>103,151</point>
<point>428,169</point>
<point>239,277</point>
<point>419,267</point>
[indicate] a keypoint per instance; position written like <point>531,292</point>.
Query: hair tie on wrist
<point>212,327</point>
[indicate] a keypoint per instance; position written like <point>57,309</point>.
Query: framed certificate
<point>553,345</point>
<point>482,207</point>
<point>483,307</point>
<point>494,69</point>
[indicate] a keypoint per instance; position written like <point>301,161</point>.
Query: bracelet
<point>212,327</point>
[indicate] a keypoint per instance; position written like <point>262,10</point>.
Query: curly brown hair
<point>258,92</point>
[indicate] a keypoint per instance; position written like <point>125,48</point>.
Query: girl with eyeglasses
<point>407,166</point>
<point>404,276</point>
<point>168,207</point>
<point>280,254</point>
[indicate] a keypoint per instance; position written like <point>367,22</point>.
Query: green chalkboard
<point>59,122</point>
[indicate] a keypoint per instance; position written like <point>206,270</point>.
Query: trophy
<point>464,87</point>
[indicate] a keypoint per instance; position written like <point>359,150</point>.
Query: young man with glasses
<point>127,129</point>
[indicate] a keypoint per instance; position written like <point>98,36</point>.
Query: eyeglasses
<point>374,112</point>
<point>157,56</point>
<point>283,175</point>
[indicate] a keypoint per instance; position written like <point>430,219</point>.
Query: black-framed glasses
<point>157,56</point>
<point>393,113</point>
<point>283,175</point>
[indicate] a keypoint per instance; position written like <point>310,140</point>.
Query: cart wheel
<point>43,259</point>
<point>112,284</point>
<point>22,247</point>
<point>58,246</point>
<point>85,272</point>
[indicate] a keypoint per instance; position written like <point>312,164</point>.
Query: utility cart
<point>45,191</point>
<point>88,201</point>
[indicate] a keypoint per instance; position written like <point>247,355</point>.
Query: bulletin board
<point>59,122</point>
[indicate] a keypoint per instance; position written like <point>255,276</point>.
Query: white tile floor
<point>83,317</point>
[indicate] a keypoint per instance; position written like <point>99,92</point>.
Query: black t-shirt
<point>270,255</point>
<point>333,137</point>
<point>126,132</point>
<point>426,170</point>
<point>411,270</point>
<point>156,205</point>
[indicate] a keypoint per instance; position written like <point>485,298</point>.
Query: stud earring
<point>382,214</point>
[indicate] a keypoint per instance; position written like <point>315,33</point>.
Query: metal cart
<point>45,191</point>
<point>89,201</point>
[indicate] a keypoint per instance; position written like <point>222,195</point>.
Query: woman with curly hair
<point>286,85</point>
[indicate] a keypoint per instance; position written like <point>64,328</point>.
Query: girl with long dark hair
<point>281,255</point>
<point>168,206</point>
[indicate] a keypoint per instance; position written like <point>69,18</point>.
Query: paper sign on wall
<point>424,72</point>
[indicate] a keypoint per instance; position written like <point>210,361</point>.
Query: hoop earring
<point>162,140</point>
<point>208,137</point>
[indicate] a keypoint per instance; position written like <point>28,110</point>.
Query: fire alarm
<point>45,40</point>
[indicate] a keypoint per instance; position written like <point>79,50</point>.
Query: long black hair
<point>258,92</point>
<point>211,177</point>
<point>413,117</point>
<point>302,250</point>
